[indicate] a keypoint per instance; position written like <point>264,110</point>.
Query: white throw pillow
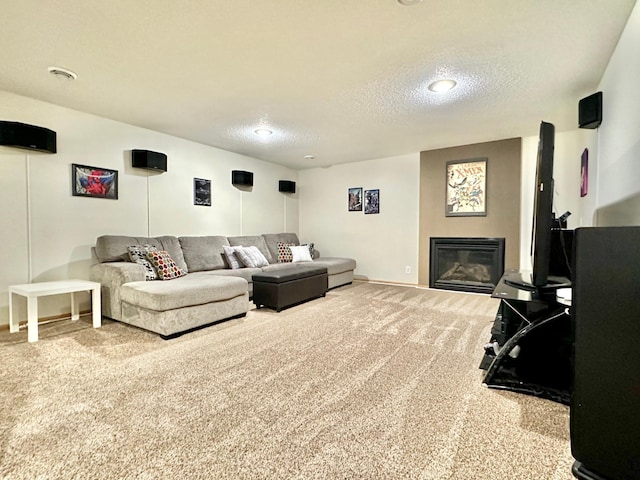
<point>301,254</point>
<point>251,257</point>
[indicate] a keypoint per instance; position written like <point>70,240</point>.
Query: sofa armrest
<point>111,276</point>
<point>116,272</point>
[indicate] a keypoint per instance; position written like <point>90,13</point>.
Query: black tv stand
<point>524,281</point>
<point>531,341</point>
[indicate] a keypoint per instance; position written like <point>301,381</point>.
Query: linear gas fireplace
<point>466,264</point>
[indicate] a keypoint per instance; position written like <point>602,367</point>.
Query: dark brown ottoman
<point>285,287</point>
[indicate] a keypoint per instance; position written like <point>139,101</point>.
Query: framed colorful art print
<point>371,201</point>
<point>466,186</point>
<point>94,182</point>
<point>355,199</point>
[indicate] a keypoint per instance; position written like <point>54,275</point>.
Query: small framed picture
<point>355,199</point>
<point>202,192</point>
<point>95,182</point>
<point>584,173</point>
<point>371,201</point>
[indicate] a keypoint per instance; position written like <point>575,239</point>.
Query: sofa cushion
<point>164,265</point>
<point>204,253</point>
<point>253,241</point>
<point>183,292</point>
<point>272,240</point>
<point>246,273</point>
<point>336,265</point>
<point>114,248</point>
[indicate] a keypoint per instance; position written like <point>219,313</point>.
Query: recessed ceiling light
<point>63,72</point>
<point>263,132</point>
<point>408,3</point>
<point>309,157</point>
<point>442,86</point>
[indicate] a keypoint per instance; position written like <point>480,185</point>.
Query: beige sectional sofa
<point>210,291</point>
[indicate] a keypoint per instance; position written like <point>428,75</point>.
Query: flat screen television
<point>543,221</point>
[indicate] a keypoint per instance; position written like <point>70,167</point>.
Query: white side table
<point>34,290</point>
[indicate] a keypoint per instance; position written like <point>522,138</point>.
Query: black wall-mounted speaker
<point>240,177</point>
<point>287,186</point>
<point>590,111</point>
<point>31,137</point>
<point>149,160</point>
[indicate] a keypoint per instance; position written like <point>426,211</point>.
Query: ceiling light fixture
<point>442,86</point>
<point>309,157</point>
<point>63,72</point>
<point>263,132</point>
<point>408,3</point>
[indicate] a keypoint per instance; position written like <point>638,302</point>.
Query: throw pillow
<point>164,265</point>
<point>252,257</point>
<point>311,248</point>
<point>138,254</point>
<point>232,259</point>
<point>284,253</point>
<point>301,254</point>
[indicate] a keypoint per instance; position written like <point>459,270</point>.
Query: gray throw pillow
<point>232,259</point>
<point>252,257</point>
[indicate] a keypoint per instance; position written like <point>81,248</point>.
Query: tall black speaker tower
<point>605,404</point>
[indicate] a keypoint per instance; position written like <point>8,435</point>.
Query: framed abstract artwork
<point>371,201</point>
<point>466,187</point>
<point>355,199</point>
<point>202,192</point>
<point>95,182</point>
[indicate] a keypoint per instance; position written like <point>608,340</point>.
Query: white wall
<point>60,229</point>
<point>383,244</point>
<point>619,135</point>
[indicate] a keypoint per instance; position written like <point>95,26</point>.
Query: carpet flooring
<point>371,382</point>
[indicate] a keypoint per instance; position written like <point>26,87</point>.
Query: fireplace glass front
<point>466,264</point>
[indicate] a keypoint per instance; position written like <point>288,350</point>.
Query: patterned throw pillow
<point>251,257</point>
<point>164,265</point>
<point>311,248</point>
<point>138,254</point>
<point>284,253</point>
<point>232,259</point>
<point>301,254</point>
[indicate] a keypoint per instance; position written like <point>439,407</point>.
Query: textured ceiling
<point>343,80</point>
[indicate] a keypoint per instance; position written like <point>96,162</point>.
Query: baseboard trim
<point>45,320</point>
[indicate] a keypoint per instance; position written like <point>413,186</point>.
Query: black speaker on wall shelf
<point>286,186</point>
<point>242,178</point>
<point>30,137</point>
<point>590,111</point>
<point>149,160</point>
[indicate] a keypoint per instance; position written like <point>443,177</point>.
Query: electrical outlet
<point>407,269</point>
